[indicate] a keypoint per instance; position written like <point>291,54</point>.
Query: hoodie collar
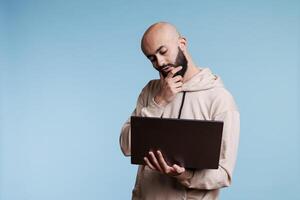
<point>203,80</point>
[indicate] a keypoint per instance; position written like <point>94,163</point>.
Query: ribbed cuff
<point>185,176</point>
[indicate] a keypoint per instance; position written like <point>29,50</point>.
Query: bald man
<point>188,92</point>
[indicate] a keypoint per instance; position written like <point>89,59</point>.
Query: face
<point>163,47</point>
<point>180,61</point>
<point>167,56</point>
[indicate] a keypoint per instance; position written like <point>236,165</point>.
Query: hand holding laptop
<point>156,161</point>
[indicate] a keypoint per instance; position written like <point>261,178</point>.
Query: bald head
<point>163,45</point>
<point>158,33</point>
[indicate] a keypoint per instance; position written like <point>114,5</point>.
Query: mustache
<point>163,67</point>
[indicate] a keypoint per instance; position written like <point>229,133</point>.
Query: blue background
<point>71,72</point>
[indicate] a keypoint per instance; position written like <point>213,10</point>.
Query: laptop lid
<point>189,143</point>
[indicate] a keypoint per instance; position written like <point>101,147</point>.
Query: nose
<point>160,61</point>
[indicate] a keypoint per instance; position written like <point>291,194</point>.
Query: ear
<point>183,44</point>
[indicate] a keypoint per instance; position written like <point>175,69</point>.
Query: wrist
<point>187,174</point>
<point>160,101</point>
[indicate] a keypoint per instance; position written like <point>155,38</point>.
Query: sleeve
<point>145,107</point>
<point>217,178</point>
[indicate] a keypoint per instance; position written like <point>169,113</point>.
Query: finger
<point>165,71</point>
<point>177,90</point>
<point>162,162</point>
<point>178,84</point>
<point>154,161</point>
<point>178,169</point>
<point>161,76</point>
<point>148,163</point>
<point>177,78</point>
<point>168,69</point>
<point>173,71</point>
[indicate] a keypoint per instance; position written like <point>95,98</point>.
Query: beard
<point>180,61</point>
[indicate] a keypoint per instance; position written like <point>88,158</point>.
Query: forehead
<point>152,41</point>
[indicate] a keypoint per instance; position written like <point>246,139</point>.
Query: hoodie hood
<point>203,80</point>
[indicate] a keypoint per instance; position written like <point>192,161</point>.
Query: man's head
<point>164,47</point>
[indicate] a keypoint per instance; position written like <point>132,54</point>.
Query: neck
<point>191,71</point>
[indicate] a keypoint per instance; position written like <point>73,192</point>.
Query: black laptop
<point>193,144</point>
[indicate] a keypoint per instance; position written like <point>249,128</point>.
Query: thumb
<point>178,169</point>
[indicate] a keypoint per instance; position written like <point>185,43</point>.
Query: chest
<point>196,105</point>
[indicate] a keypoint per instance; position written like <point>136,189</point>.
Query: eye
<point>152,58</point>
<point>163,52</point>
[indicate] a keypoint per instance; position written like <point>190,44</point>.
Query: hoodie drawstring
<point>182,102</point>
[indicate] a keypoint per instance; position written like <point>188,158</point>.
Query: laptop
<point>193,144</point>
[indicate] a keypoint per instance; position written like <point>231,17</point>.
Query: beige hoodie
<point>205,99</point>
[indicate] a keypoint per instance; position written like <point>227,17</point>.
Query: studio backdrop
<point>71,72</point>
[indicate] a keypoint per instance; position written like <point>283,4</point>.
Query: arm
<point>221,177</point>
<point>143,108</point>
<point>150,106</point>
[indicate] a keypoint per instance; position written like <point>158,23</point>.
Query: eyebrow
<point>159,48</point>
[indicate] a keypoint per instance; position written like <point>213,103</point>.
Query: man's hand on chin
<point>169,86</point>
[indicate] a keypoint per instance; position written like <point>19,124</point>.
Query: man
<point>188,92</point>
